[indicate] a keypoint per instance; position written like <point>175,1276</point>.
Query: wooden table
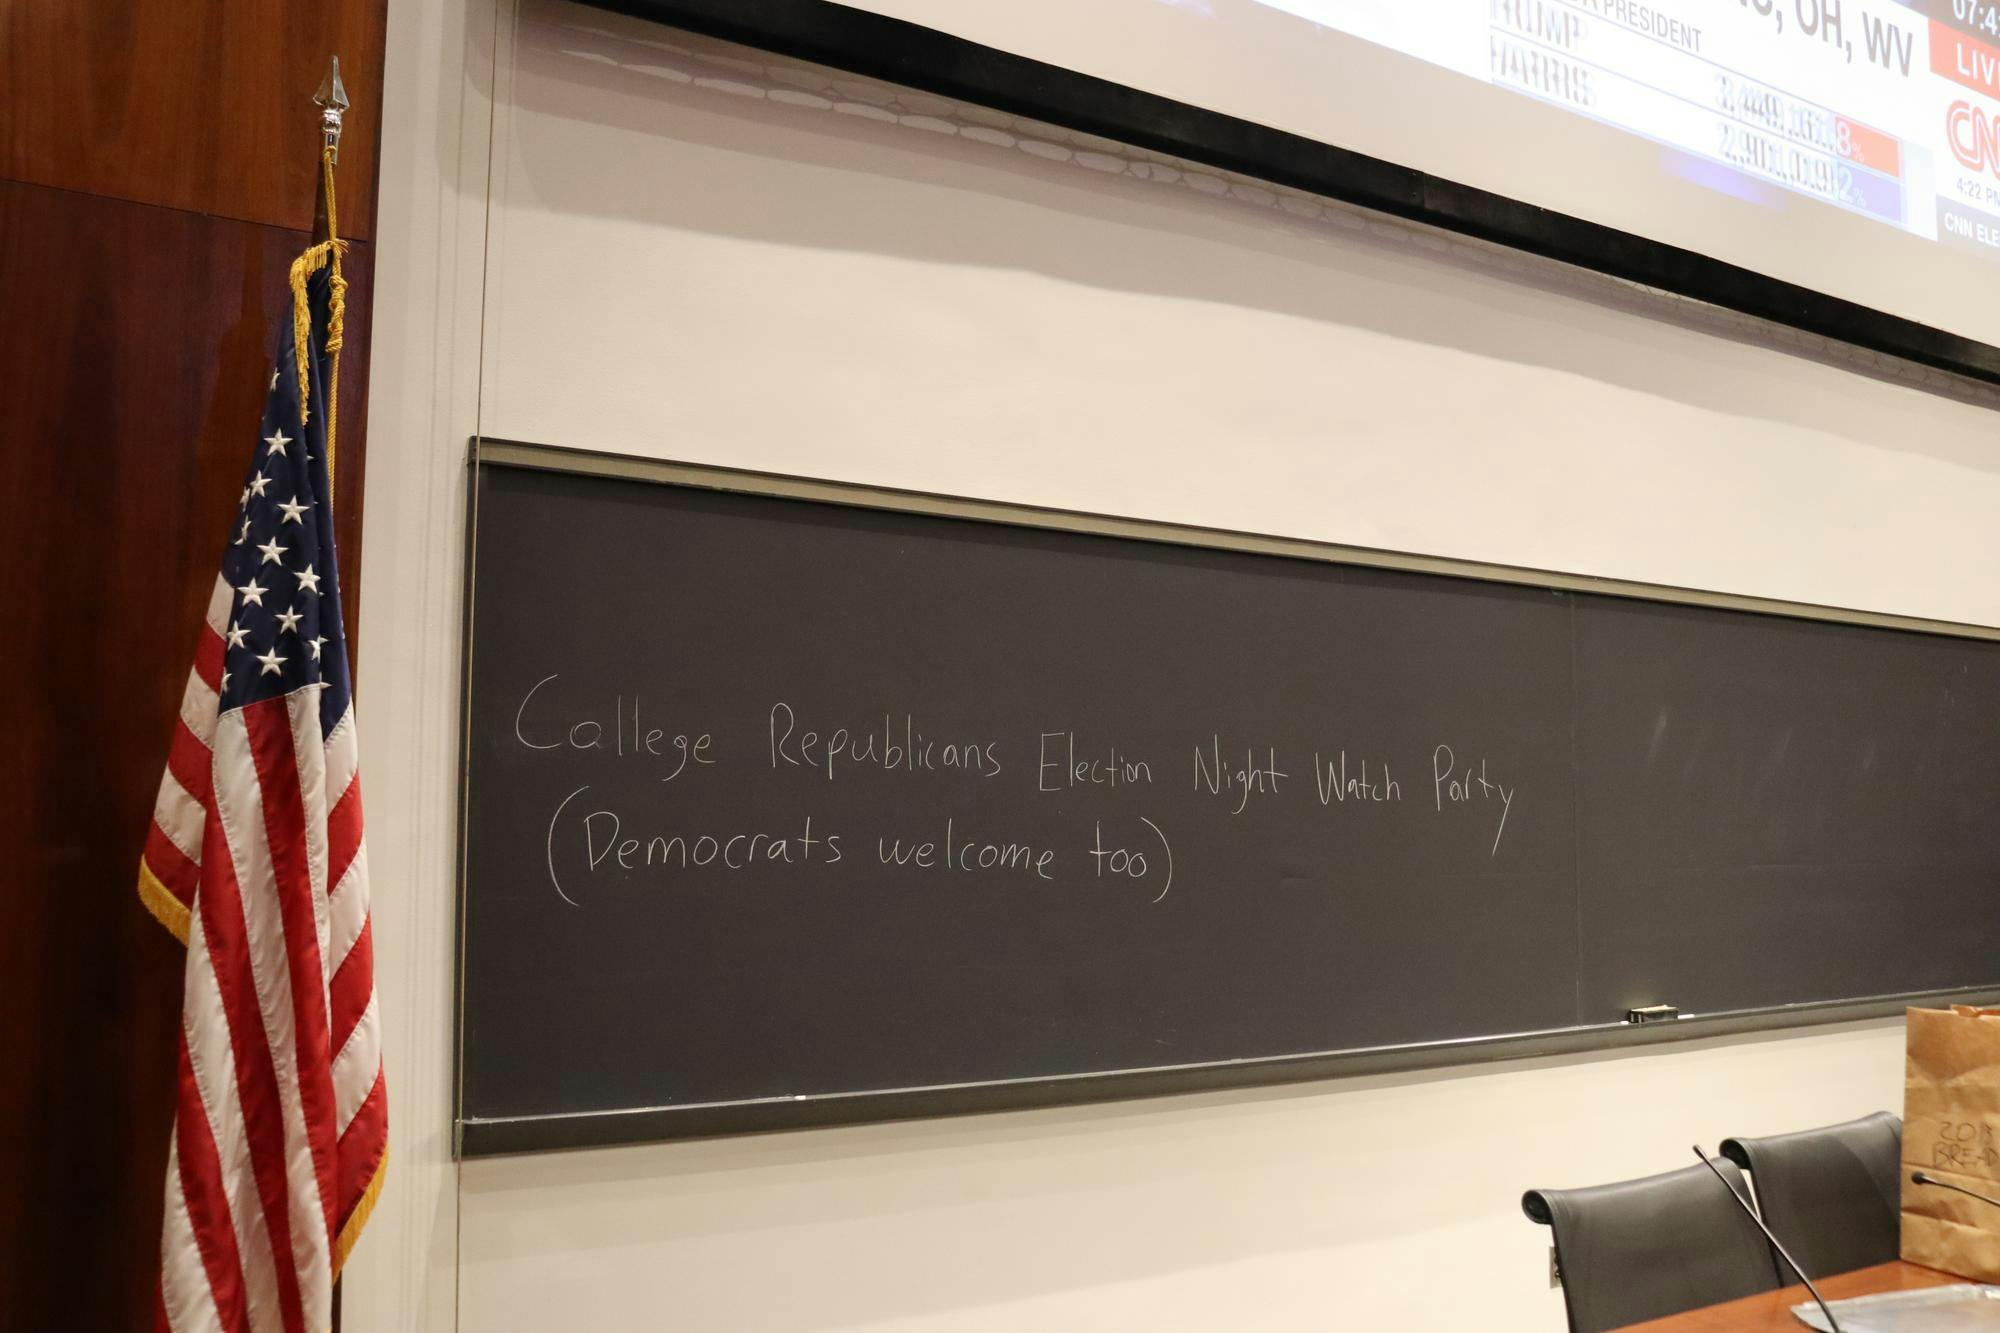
<point>1772,1311</point>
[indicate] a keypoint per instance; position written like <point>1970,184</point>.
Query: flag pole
<point>331,99</point>
<point>324,252</point>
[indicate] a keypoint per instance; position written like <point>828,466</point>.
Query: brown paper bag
<point>1951,1131</point>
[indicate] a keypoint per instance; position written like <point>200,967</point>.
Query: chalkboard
<point>788,810</point>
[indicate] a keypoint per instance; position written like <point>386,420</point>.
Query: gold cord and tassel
<point>326,255</point>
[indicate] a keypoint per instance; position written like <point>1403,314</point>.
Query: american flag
<point>255,860</point>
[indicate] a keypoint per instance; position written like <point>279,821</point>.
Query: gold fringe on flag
<point>326,254</point>
<point>168,910</point>
<point>357,1219</point>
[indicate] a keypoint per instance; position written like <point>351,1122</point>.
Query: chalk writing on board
<point>553,819</point>
<point>626,840</point>
<point>1132,863</point>
<point>1220,776</point>
<point>897,744</point>
<point>1334,781</point>
<point>966,854</point>
<point>1059,765</point>
<point>629,735</point>
<point>1452,785</point>
<point>606,845</point>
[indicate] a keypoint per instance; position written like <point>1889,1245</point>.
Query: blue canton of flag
<point>284,622</point>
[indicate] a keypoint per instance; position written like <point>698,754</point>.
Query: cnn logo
<point>1974,137</point>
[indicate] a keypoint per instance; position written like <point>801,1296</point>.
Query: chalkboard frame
<point>494,1136</point>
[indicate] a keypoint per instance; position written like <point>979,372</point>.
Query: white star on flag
<point>237,634</point>
<point>252,594</point>
<point>289,620</point>
<point>272,662</point>
<point>277,440</point>
<point>309,580</point>
<point>258,483</point>
<point>272,552</point>
<point>291,511</point>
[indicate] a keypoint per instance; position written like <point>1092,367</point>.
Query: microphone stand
<point>1919,1178</point>
<point>1771,1236</point>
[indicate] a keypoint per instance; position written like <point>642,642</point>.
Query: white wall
<point>1246,59</point>
<point>589,239</point>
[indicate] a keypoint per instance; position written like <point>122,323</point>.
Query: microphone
<point>1769,1235</point>
<point>1919,1178</point>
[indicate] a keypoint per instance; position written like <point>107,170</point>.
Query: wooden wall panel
<point>193,104</point>
<point>156,179</point>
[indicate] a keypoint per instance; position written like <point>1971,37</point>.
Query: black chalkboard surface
<point>781,811</point>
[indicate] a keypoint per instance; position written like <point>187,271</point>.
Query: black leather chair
<point>1833,1195</point>
<point>1643,1249</point>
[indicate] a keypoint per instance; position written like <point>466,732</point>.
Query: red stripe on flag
<point>208,658</point>
<point>170,865</point>
<point>207,1200</point>
<point>362,1144</point>
<point>353,985</point>
<point>343,835</point>
<point>193,765</point>
<point>270,727</point>
<point>223,932</point>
